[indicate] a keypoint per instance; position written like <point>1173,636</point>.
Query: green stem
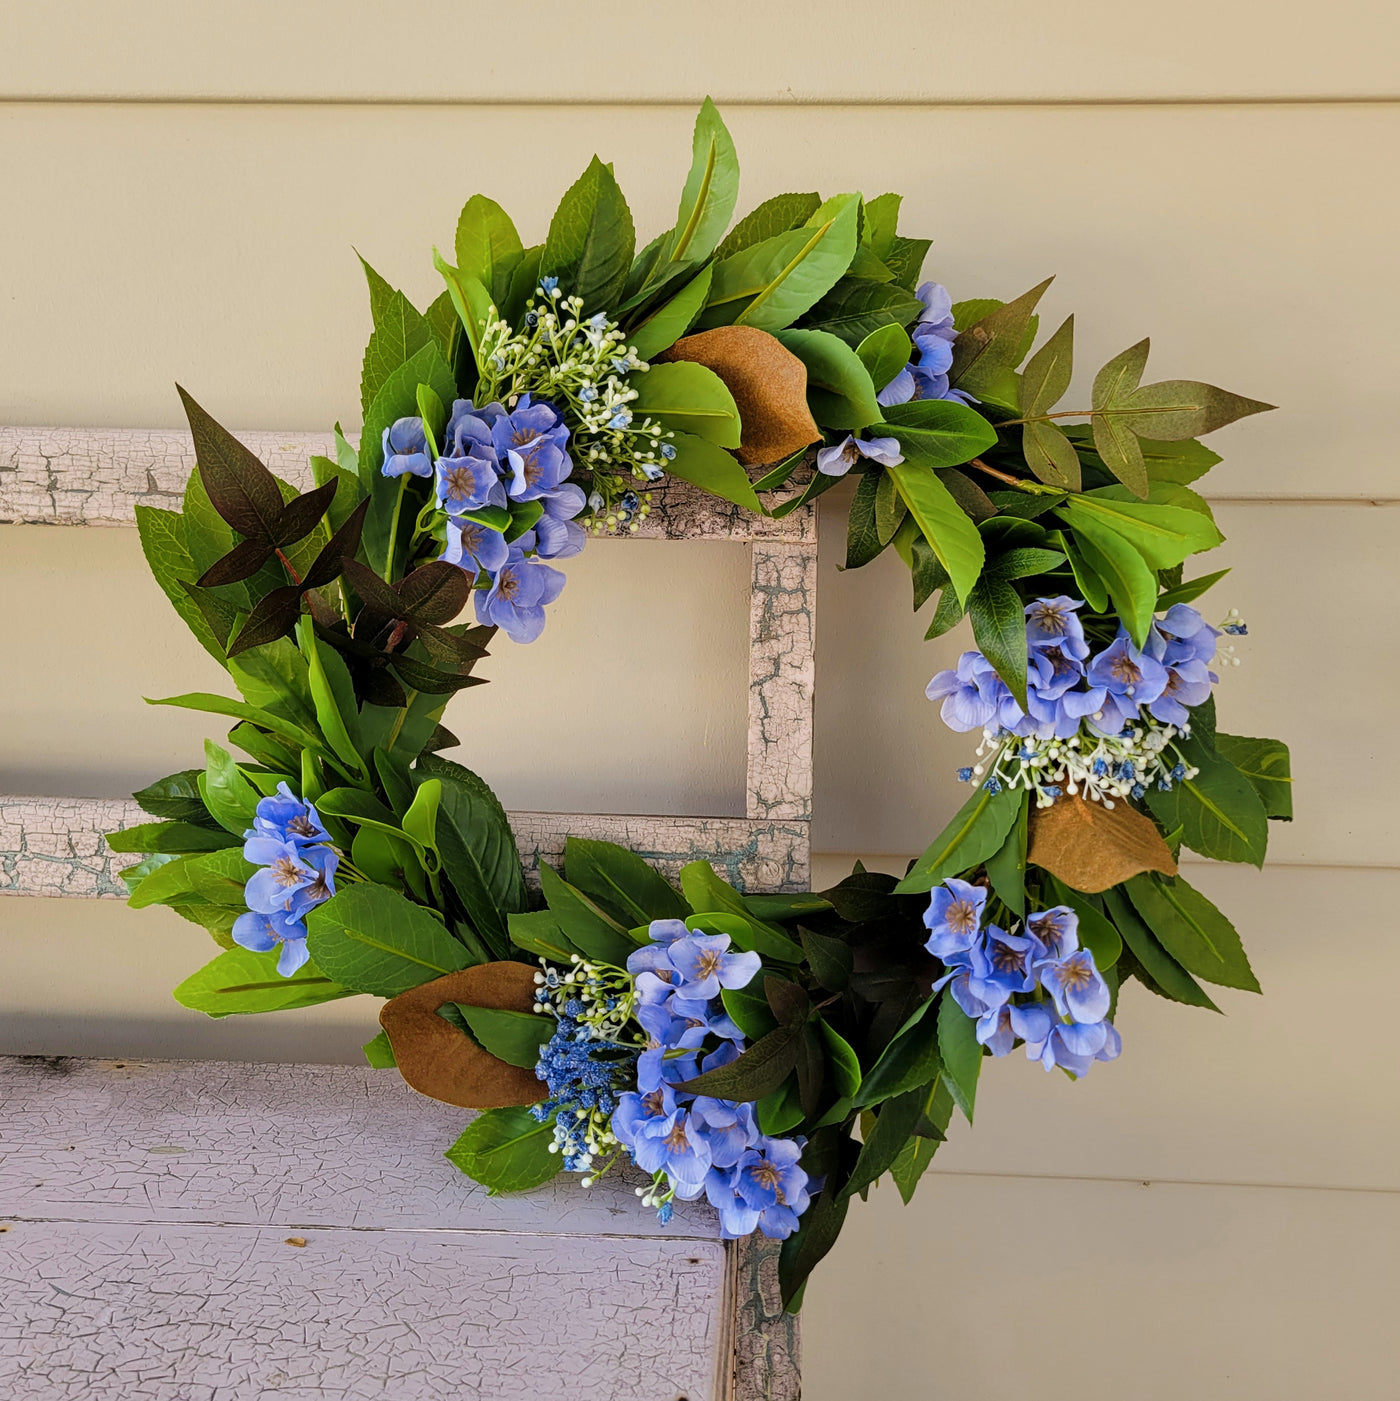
<point>394,530</point>
<point>398,724</point>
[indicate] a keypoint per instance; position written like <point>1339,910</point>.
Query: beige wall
<point>1216,1214</point>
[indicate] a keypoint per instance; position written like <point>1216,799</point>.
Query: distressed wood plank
<point>196,1313</point>
<point>782,680</point>
<point>96,476</point>
<point>55,846</point>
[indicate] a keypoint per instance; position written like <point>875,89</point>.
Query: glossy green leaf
<point>1006,867</point>
<point>620,882</point>
<point>710,467</point>
<point>884,353</point>
<point>687,397</point>
<point>672,319</point>
<point>882,223</point>
<point>855,308</point>
<point>839,389</point>
<point>507,1150</point>
<point>371,939</point>
<point>175,798</point>
<point>999,625</point>
<point>937,432</point>
<point>177,838</point>
<point>591,239</point>
<point>845,1064</point>
<point>1164,975</point>
<point>961,1053</point>
<point>1192,930</point>
<point>514,1037</point>
<point>229,796</point>
<point>162,536</point>
<point>910,1060</point>
<point>487,245</point>
<point>586,925</point>
<point>773,217</point>
<point>952,536</point>
<point>805,1249</point>
<point>1189,591</point>
<point>538,933</point>
<point>1265,763</point>
<point>1219,813</point>
<point>976,832</point>
<point>241,981</point>
<point>863,542</point>
<point>1130,582</point>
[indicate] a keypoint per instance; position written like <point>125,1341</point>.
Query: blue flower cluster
<point>496,457</point>
<point>694,1144</point>
<point>584,1085</point>
<point>989,968</point>
<point>926,375</point>
<point>298,865</point>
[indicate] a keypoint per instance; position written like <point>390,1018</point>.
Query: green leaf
<point>1176,409</point>
<point>1165,976</point>
<point>471,299</point>
<point>910,1060</point>
<point>265,719</point>
<point>420,821</point>
<point>771,284</point>
<point>399,331</point>
<point>1190,591</point>
<point>1096,933</point>
<point>773,217</point>
<point>620,882</point>
<point>689,397</point>
<point>863,541</point>
<point>1006,868</point>
<point>976,832</point>
<point>707,201</point>
<point>830,960</point>
<point>839,388</point>
<point>507,1150</point>
<point>1086,578</point>
<point>1181,462</point>
<point>856,307</point>
<point>595,934</point>
<point>951,535</point>
<point>913,1161</point>
<point>162,536</point>
<point>177,838</point>
<point>845,1064</point>
<point>379,1054</point>
<point>999,625</point>
<point>748,934</point>
<point>781,1111</point>
<point>1219,813</point>
<point>805,1249</point>
<point>333,694</point>
<point>487,246</point>
<point>229,796</point>
<point>884,353</point>
<point>1047,374</point>
<point>161,884</point>
<point>671,320</point>
<point>591,239</point>
<point>175,798</point>
<point>1265,763</point>
<point>514,1037</point>
<point>988,350</point>
<point>479,854</point>
<point>710,467</point>
<point>748,1008</point>
<point>757,1072</point>
<point>938,432</point>
<point>1023,563</point>
<point>1121,568</point>
<point>371,939</point>
<point>241,981</point>
<point>882,223</point>
<point>1050,455</point>
<point>538,932</point>
<point>961,1053</point>
<point>928,574</point>
<point>1162,532</point>
<point>219,877</point>
<point>906,260</point>
<point>891,513</point>
<point>1192,930</point>
<point>894,1124</point>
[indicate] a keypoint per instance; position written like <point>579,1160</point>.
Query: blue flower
<point>994,1030</point>
<point>1129,679</point>
<point>469,482</point>
<point>1072,1046</point>
<point>517,596</point>
<point>405,447</point>
<point>261,932</point>
<point>1052,622</point>
<point>556,534</point>
<point>672,1021</point>
<point>673,1143</point>
<point>954,917</point>
<point>969,981</point>
<point>292,878</point>
<point>766,1188</point>
<point>1008,959</point>
<point>836,461</point>
<point>548,285</point>
<point>1185,645</point>
<point>706,966</point>
<point>1054,933</point>
<point>936,318</point>
<point>973,695</point>
<point>285,818</point>
<point>728,1128</point>
<point>475,547</point>
<point>530,440</point>
<point>1077,986</point>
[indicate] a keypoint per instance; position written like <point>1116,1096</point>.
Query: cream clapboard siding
<point>1178,171</point>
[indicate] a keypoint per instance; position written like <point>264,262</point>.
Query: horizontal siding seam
<point>1167,1181</point>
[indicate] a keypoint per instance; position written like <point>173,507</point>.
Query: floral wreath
<point>774,1054</point>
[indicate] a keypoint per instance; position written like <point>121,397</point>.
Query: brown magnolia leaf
<point>1092,847</point>
<point>769,385</point>
<point>442,1062</point>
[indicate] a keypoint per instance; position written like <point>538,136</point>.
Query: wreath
<point>773,1054</point>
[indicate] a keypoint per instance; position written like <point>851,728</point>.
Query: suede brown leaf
<point>769,385</point>
<point>441,1062</point>
<point>1091,847</point>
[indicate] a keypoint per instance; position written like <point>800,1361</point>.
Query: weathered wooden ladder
<point>196,1231</point>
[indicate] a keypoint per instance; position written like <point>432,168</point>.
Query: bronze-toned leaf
<point>302,514</point>
<point>241,562</point>
<point>375,594</point>
<point>241,489</point>
<point>993,346</point>
<point>329,564</point>
<point>419,676</point>
<point>435,592</point>
<point>1092,847</point>
<point>440,1061</point>
<point>275,616</point>
<point>769,385</point>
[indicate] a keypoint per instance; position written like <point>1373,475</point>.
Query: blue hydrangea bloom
<point>405,445</point>
<point>1129,679</point>
<point>729,1128</point>
<point>954,917</point>
<point>706,966</point>
<point>285,818</point>
<point>972,693</point>
<point>766,1189</point>
<point>530,443</point>
<point>262,932</point>
<point>468,483</point>
<point>516,600</point>
<point>291,880</point>
<point>557,535</point>
<point>1052,622</point>
<point>1077,986</point>
<point>1054,933</point>
<point>837,460</point>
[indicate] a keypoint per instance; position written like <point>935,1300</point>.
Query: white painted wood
<point>823,51</point>
<point>182,1231</point>
<point>1003,1288</point>
<point>1184,223</point>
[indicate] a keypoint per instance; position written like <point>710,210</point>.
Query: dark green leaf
<point>856,307</point>
<point>805,1249</point>
<point>1096,932</point>
<point>961,1053</point>
<point>863,541</point>
<point>845,1064</point>
<point>906,261</point>
<point>1130,582</point>
<point>399,330</point>
<point>583,923</point>
<point>1192,930</point>
<point>937,432</point>
<point>757,1072</point>
<point>1189,591</point>
<point>1006,868</point>
<point>175,799</point>
<point>999,625</point>
<point>894,1124</point>
<point>1166,976</point>
<point>1218,812</point>
<point>882,223</point>
<point>830,960</point>
<point>1265,763</point>
<point>910,1060</point>
<point>620,882</point>
<point>1050,455</point>
<point>773,217</point>
<point>514,1037</point>
<point>975,833</point>
<point>591,239</point>
<point>708,466</point>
